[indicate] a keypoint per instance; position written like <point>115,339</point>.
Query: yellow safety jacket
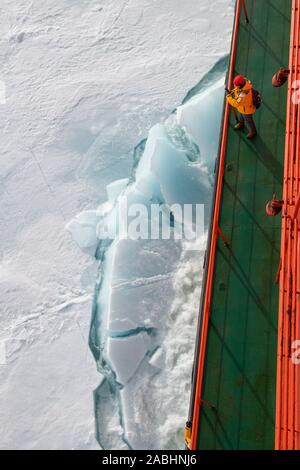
<point>188,434</point>
<point>242,99</point>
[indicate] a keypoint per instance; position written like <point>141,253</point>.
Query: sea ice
<point>126,354</point>
<point>134,310</point>
<point>81,83</point>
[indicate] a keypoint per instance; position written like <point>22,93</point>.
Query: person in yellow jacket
<point>241,98</point>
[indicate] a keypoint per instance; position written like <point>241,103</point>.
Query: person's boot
<point>251,135</point>
<point>253,131</point>
<point>239,126</point>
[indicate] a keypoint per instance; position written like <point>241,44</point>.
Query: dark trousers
<point>248,119</point>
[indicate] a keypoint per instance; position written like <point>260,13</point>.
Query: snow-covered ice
<point>140,351</point>
<point>81,84</point>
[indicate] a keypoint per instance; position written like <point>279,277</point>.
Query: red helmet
<point>239,81</point>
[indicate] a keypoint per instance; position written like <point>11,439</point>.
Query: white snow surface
<point>84,80</point>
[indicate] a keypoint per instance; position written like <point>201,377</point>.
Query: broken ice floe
<point>135,283</point>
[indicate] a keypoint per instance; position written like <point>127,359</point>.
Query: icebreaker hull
<point>233,399</point>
